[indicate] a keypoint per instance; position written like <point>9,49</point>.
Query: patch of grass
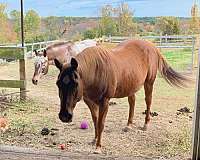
<point>53,71</point>
<point>180,59</point>
<point>27,107</point>
<point>178,144</point>
<point>20,116</point>
<point>26,120</point>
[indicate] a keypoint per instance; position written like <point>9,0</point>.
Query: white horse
<point>62,51</point>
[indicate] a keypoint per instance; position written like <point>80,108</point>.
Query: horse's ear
<point>44,53</point>
<point>58,64</point>
<point>36,53</point>
<point>74,63</point>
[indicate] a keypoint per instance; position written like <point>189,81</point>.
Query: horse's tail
<point>169,74</point>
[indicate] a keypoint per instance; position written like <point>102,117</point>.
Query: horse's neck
<point>97,82</point>
<point>57,53</point>
<point>90,69</point>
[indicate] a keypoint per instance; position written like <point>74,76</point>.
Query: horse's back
<point>137,62</point>
<point>134,46</point>
<point>138,52</point>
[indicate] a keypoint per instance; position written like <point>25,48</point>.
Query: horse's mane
<point>57,44</point>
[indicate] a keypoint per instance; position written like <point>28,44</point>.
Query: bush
<point>168,25</point>
<point>89,34</point>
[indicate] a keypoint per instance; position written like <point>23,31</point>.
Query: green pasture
<point>180,59</point>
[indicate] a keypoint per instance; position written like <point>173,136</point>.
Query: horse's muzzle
<point>65,117</point>
<point>34,81</point>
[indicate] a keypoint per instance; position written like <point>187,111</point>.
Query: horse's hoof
<point>127,129</point>
<point>98,150</point>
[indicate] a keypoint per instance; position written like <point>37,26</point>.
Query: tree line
<point>114,21</point>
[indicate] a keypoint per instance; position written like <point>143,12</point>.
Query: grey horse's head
<point>41,65</point>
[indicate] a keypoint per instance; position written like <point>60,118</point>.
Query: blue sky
<point>90,8</point>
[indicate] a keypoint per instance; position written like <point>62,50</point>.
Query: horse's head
<point>70,88</point>
<point>41,65</point>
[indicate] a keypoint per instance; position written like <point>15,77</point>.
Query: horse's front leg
<point>94,109</point>
<point>103,109</point>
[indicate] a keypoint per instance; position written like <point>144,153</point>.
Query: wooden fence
<point>15,53</point>
<point>175,41</point>
<point>30,46</point>
<point>38,45</point>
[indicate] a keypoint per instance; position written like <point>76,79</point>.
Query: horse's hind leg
<point>131,101</point>
<point>94,109</point>
<point>148,87</point>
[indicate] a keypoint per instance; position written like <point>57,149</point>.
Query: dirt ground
<point>168,136</point>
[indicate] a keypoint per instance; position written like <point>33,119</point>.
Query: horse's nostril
<point>34,81</point>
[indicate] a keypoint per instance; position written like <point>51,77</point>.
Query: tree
<point>52,27</point>
<point>6,34</point>
<point>168,25</point>
<point>107,24</point>
<point>32,21</point>
<point>32,25</point>
<point>126,26</point>
<point>194,24</point>
<point>117,21</point>
<point>15,17</point>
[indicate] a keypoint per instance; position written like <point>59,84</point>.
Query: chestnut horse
<point>100,74</point>
<point>63,51</point>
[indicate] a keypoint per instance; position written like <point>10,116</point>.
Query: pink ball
<point>84,125</point>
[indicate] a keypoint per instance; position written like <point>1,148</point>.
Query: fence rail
<point>15,53</point>
<point>29,46</point>
<point>179,41</point>
<point>168,42</point>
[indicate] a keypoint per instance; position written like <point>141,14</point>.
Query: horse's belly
<point>131,77</point>
<point>127,89</point>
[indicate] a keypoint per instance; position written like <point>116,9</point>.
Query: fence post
<point>193,48</point>
<point>40,46</point>
<point>22,72</point>
<point>196,119</point>
<point>32,47</point>
<point>110,39</point>
<point>166,38</point>
<point>160,41</point>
